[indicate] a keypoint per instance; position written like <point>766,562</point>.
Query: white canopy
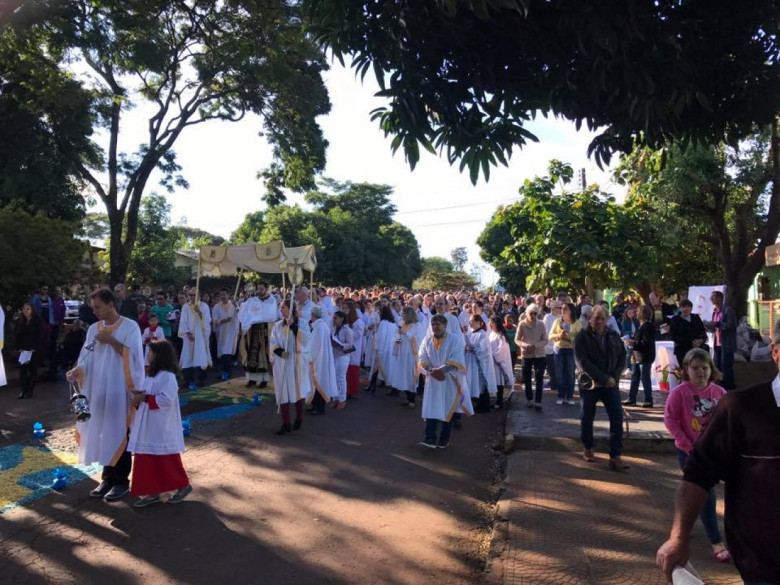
<point>268,258</point>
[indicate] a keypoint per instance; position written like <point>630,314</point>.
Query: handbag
<point>638,357</point>
<point>584,381</point>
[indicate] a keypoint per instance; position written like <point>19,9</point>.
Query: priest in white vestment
<point>110,367</point>
<point>444,399</point>
<point>292,380</point>
<point>257,315</point>
<point>322,368</point>
<point>303,304</point>
<point>224,320</point>
<point>195,331</point>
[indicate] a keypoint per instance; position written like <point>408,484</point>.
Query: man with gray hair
<point>600,354</point>
<point>741,446</point>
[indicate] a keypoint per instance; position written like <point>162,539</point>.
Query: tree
<point>446,281</point>
<point>494,242</point>
<point>459,258</point>
<point>250,230</point>
<point>45,122</point>
<point>189,63</point>
<point>720,201</point>
<point>436,264</point>
<point>192,238</point>
<point>464,77</point>
<point>35,249</point>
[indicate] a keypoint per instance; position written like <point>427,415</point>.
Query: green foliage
<point>351,226</point>
<point>154,255</point>
<point>446,281</point>
<point>464,77</point>
<point>437,264</point>
<point>187,63</point>
<point>459,258</point>
<point>191,238</point>
<point>35,249</point>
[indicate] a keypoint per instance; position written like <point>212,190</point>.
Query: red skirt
<point>353,380</point>
<point>154,474</point>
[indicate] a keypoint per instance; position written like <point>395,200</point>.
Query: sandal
<point>723,556</point>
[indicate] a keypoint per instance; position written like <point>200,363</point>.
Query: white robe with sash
<point>106,378</point>
<point>322,368</point>
<point>227,333</point>
<point>357,340</point>
<point>384,338</point>
<point>479,358</point>
<point>195,353</point>
<point>502,360</point>
<point>444,398</point>
<point>292,379</point>
<point>403,365</point>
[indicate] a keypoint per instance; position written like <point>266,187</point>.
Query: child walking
<point>152,333</point>
<point>156,438</point>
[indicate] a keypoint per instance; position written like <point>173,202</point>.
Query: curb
<point>649,445</point>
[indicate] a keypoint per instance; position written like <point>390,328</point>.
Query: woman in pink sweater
<point>688,410</point>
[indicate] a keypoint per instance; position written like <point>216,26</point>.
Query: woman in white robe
<point>384,338</point>
<point>292,381</point>
<point>502,360</point>
<point>322,368</point>
<point>479,364</point>
<point>403,365</point>
<point>195,331</point>
<point>370,325</point>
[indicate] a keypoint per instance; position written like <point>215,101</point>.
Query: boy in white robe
<point>110,367</point>
<point>292,380</point>
<point>195,331</point>
<point>321,365</point>
<point>225,323</point>
<point>441,357</point>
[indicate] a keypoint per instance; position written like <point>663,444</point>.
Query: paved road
<point>348,499</point>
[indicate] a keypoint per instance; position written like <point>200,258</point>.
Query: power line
<point>448,223</point>
<point>456,206</point>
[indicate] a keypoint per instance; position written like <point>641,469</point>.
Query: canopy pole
<point>238,283</point>
<point>197,280</point>
<point>283,285</point>
<point>311,286</point>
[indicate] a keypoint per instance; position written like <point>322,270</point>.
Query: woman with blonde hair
<point>688,410</point>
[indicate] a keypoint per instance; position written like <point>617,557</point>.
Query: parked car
<point>71,310</point>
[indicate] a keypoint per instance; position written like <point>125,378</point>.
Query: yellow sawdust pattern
<point>32,460</point>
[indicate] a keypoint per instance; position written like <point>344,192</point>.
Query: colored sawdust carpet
<point>27,473</point>
<point>224,400</point>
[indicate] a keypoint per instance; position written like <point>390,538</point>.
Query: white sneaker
<point>559,401</point>
<point>571,402</point>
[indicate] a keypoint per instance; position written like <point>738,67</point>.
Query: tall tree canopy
<point>187,62</point>
<point>352,227</point>
<point>464,77</point>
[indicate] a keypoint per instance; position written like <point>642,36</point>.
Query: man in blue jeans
<point>600,355</point>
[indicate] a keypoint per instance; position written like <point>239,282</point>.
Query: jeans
<point>641,371</point>
<point>564,372</point>
<point>724,361</point>
<point>549,362</point>
<point>610,397</point>
<point>342,363</point>
<point>709,515</point>
<point>537,365</point>
<point>431,428</point>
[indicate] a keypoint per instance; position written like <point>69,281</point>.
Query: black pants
<point>420,384</point>
<point>119,474</point>
<point>410,396</point>
<point>189,375</point>
<point>227,363</point>
<point>28,374</point>
<point>318,403</point>
<point>537,365</point>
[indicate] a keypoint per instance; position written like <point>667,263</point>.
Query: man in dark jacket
<point>687,331</point>
<point>600,354</point>
<point>125,306</point>
<point>724,325</point>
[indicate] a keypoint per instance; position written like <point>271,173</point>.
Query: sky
<point>220,161</point>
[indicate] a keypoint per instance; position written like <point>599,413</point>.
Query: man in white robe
<point>444,399</point>
<point>195,331</point>
<point>110,367</point>
<point>303,304</point>
<point>257,315</point>
<point>321,364</point>
<point>224,319</point>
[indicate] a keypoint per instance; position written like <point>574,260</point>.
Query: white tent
<point>268,258</point>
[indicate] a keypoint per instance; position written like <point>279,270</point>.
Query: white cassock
<point>3,379</point>
<point>479,361</point>
<point>326,304</point>
<point>463,319</point>
<point>158,431</point>
<point>453,326</point>
<point>292,380</point>
<point>370,324</point>
<point>149,336</point>
<point>304,310</point>
<point>195,353</point>
<point>384,339</point>
<point>357,340</point>
<point>502,360</point>
<point>322,368</point>
<point>444,398</point>
<point>105,378</point>
<point>423,319</point>
<point>399,320</point>
<point>403,364</point>
<point>227,333</point>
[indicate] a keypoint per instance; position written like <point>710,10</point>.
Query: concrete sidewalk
<point>562,520</point>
